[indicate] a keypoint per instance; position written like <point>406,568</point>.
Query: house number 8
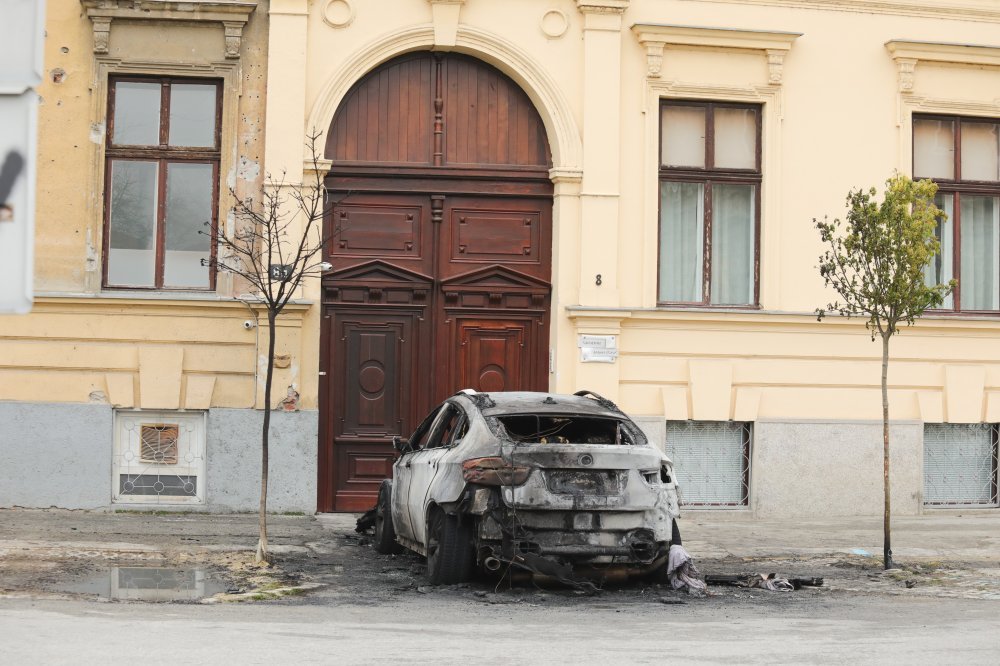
<point>597,280</point>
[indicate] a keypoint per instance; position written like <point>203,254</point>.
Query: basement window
<point>712,462</point>
<point>159,457</point>
<point>960,464</point>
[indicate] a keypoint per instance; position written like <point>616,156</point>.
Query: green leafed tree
<point>876,260</point>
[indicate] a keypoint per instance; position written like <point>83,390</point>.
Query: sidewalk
<point>961,536</point>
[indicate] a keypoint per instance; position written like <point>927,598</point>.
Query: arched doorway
<point>441,260</point>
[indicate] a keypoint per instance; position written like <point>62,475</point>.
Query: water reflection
<point>150,584</point>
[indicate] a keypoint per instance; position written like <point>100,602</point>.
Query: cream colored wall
<point>835,120</point>
<point>132,349</point>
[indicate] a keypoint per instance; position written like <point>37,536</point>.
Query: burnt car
<point>558,485</point>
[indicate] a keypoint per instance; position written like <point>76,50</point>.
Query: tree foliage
<point>876,263</point>
<point>876,260</point>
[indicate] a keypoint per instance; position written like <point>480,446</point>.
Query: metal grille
<point>960,464</point>
<point>159,444</point>
<point>712,461</point>
<point>159,457</point>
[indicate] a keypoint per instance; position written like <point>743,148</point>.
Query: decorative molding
<point>962,54</point>
<point>444,16</point>
<point>102,33</point>
<point>339,13</point>
<point>772,44</point>
<point>234,35</point>
<point>554,23</point>
<point>969,10</point>
<point>543,90</point>
<point>907,68</point>
<point>232,14</point>
<point>602,6</point>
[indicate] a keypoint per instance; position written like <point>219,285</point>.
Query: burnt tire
<point>449,549</point>
<point>659,574</point>
<point>385,532</point>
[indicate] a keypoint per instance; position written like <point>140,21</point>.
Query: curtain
<point>733,244</point>
<point>682,234</point>
<point>980,280</point>
<point>941,269</point>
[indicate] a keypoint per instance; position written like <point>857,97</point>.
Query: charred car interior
<point>559,486</point>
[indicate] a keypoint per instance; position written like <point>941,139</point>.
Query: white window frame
<point>191,454</point>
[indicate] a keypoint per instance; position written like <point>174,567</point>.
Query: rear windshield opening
<point>539,429</point>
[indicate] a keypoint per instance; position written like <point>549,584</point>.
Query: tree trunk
<point>886,546</point>
<point>262,554</point>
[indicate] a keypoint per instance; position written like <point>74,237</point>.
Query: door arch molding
<point>543,91</point>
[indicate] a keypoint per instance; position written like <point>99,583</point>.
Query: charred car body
<point>553,484</point>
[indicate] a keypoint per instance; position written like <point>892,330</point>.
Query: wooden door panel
<point>482,231</point>
<point>496,235</point>
<point>493,355</point>
<point>374,359</point>
<point>389,227</point>
<point>374,369</point>
<point>360,468</point>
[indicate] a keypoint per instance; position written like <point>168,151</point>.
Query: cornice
<point>907,53</point>
<point>771,43</point>
<point>969,10</point>
<point>965,54</point>
<point>231,14</point>
<point>602,6</point>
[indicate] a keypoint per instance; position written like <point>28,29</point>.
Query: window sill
<point>135,295</point>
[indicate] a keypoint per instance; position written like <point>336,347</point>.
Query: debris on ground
<point>682,573</point>
<point>366,521</point>
<point>763,581</point>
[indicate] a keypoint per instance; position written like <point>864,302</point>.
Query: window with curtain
<point>161,182</point>
<point>962,155</point>
<point>709,203</point>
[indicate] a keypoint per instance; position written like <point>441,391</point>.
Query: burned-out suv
<point>557,485</point>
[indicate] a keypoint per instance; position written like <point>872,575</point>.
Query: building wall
<point>60,455</point>
<point>85,351</point>
<point>837,114</point>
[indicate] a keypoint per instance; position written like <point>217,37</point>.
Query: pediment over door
<point>496,287</point>
<point>376,282</point>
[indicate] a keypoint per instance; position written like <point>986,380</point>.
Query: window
<point>960,464</point>
<point>711,462</point>
<point>962,155</point>
<point>709,203</point>
<point>161,182</point>
<point>159,457</point>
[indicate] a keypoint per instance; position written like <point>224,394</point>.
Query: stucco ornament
<point>339,13</point>
<point>554,23</point>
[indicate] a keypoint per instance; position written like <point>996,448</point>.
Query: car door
<point>402,473</point>
<point>425,464</point>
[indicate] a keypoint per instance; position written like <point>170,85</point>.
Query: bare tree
<point>877,265</point>
<point>277,244</point>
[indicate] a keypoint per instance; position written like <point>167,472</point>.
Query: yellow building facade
<point>687,146</point>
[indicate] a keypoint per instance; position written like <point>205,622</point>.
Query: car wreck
<point>561,486</point>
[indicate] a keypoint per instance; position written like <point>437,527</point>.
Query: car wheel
<point>449,549</point>
<point>385,533</point>
<point>659,574</point>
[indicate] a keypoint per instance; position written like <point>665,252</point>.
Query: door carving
<point>441,252</point>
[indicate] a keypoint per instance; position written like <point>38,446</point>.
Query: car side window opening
<point>444,427</point>
<point>418,440</point>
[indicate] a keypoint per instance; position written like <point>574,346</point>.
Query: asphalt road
<point>845,629</point>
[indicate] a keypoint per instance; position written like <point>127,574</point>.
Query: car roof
<point>505,403</point>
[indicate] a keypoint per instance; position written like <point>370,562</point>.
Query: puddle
<point>149,584</point>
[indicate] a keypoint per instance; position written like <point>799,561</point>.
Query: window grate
<point>960,464</point>
<point>712,462</point>
<point>159,443</point>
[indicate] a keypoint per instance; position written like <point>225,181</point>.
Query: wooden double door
<point>430,294</point>
<point>440,219</point>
